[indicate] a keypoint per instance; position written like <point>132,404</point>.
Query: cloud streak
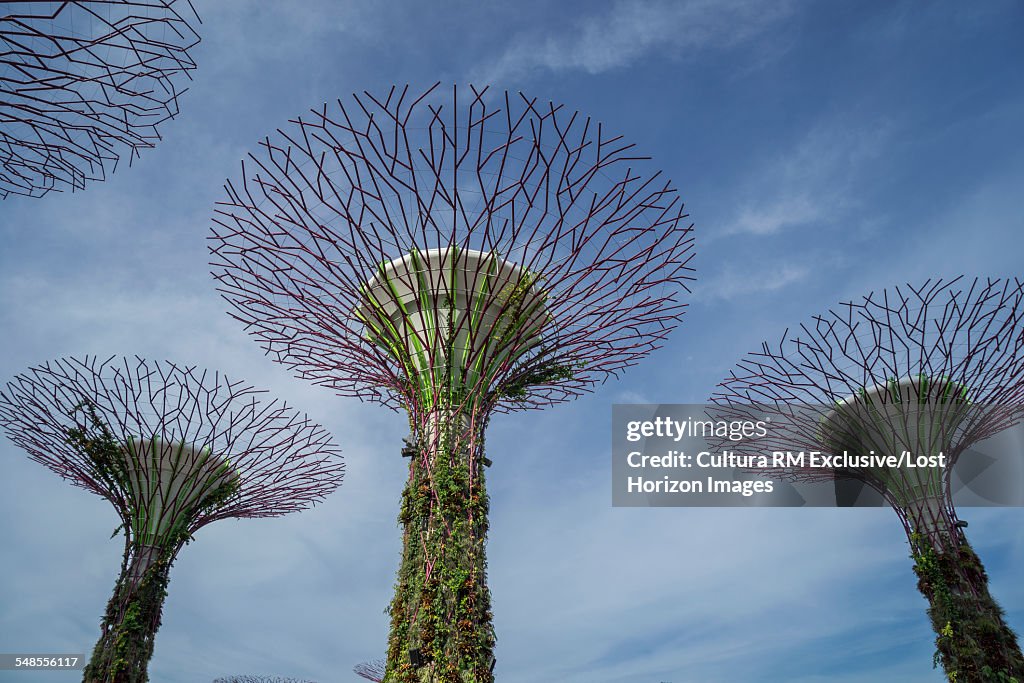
<point>730,283</point>
<point>813,181</point>
<point>631,31</point>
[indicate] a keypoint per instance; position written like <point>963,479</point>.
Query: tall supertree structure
<point>83,82</point>
<point>911,372</point>
<point>173,449</point>
<point>454,256</point>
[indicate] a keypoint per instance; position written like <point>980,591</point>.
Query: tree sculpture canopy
<point>400,248</point>
<point>170,446</point>
<point>919,367</point>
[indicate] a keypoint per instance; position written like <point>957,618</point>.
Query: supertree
<point>454,258</point>
<point>372,671</point>
<point>83,82</point>
<point>914,375</point>
<point>173,449</point>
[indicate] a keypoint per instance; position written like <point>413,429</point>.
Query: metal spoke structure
<point>85,82</point>
<point>453,255</point>
<point>371,671</point>
<point>173,448</point>
<point>927,370</point>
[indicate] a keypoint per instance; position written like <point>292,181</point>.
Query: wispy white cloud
<point>632,30</point>
<point>945,238</point>
<point>731,282</point>
<point>812,181</point>
<point>797,209</point>
<point>632,397</point>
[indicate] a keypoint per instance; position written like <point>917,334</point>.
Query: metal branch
<point>371,671</point>
<point>84,83</point>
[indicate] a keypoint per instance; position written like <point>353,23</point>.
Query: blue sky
<point>823,150</point>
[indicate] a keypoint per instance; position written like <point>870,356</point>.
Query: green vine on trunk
<point>130,624</point>
<point>443,619</point>
<point>973,641</point>
<point>133,614</point>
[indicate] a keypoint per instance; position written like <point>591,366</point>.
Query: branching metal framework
<point>371,671</point>
<point>351,186</point>
<point>923,369</point>
<point>173,448</point>
<point>453,255</point>
<point>83,82</point>
<point>933,346</point>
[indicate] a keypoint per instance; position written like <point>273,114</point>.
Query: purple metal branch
<point>83,83</point>
<point>371,671</point>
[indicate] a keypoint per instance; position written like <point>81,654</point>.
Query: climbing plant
<point>441,613</point>
<point>973,641</point>
<point>132,617</point>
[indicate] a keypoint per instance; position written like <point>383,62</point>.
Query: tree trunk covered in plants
<point>973,643</point>
<point>132,619</point>
<point>441,628</point>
